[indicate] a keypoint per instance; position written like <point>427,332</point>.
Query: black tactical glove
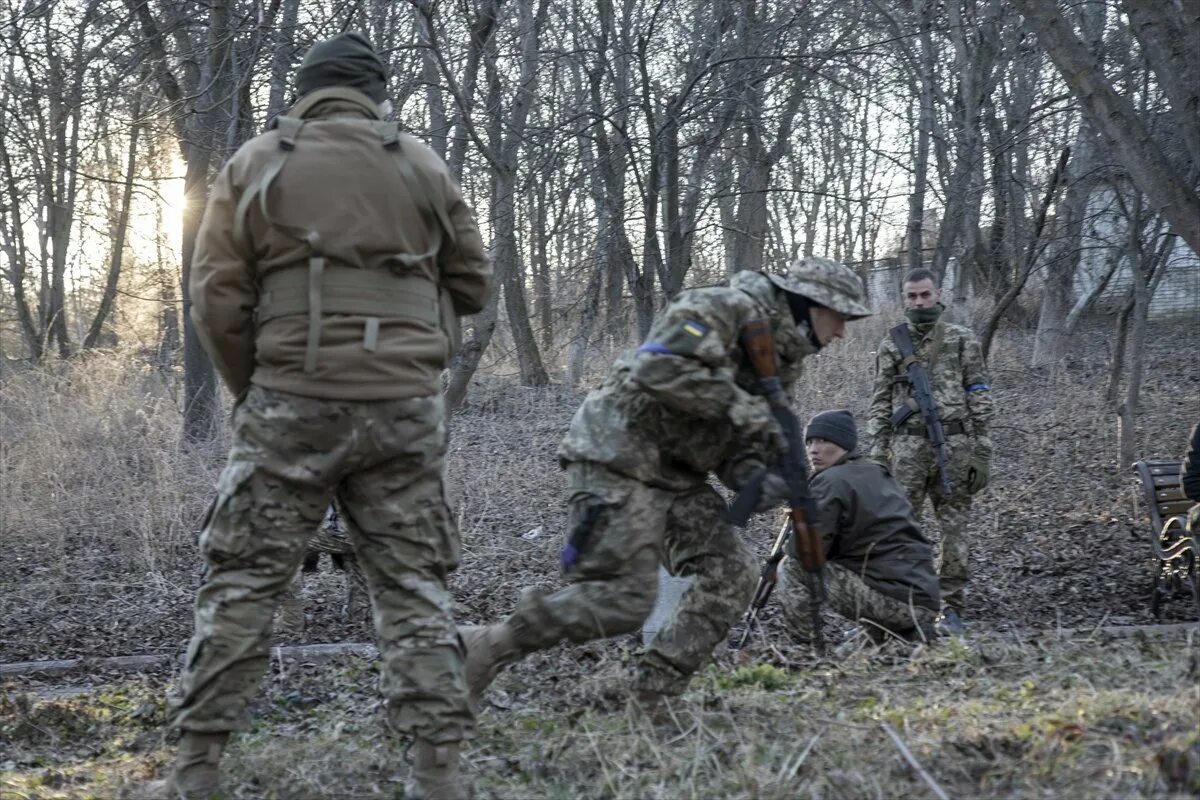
<point>773,491</point>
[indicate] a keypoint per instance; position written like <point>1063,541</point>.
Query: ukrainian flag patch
<point>694,328</point>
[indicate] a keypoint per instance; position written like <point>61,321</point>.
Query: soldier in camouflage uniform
<point>638,455</point>
<point>332,539</point>
<point>333,255</point>
<point>952,355</point>
<point>879,568</point>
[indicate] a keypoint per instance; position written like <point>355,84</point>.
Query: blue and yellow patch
<point>681,339</point>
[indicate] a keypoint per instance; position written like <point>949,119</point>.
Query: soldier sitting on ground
<point>879,568</point>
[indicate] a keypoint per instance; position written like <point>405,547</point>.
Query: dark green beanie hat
<point>834,426</point>
<point>346,60</point>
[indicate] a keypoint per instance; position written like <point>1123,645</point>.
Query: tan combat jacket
<point>341,182</point>
<point>684,404</point>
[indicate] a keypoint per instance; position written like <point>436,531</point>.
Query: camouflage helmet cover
<point>826,282</point>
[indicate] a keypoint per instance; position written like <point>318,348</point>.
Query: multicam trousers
<point>851,597</point>
<point>290,457</point>
<point>915,467</point>
<point>628,529</point>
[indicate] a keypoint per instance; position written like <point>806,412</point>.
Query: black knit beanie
<point>345,60</point>
<point>834,426</point>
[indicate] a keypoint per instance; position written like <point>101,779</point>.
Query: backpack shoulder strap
<point>289,131</point>
<point>430,201</point>
<point>939,338</point>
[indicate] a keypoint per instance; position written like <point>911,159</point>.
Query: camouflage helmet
<point>826,282</point>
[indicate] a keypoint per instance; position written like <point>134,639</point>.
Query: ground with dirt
<point>98,509</point>
<point>990,717</point>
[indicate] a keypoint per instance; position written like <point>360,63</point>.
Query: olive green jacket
<point>870,529</point>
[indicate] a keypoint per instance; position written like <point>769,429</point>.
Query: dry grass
<point>997,717</point>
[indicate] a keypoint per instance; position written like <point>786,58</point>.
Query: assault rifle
<point>758,340</point>
<point>922,393</point>
<point>766,581</point>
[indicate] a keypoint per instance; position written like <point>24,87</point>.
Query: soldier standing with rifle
<point>929,418</point>
<point>690,401</point>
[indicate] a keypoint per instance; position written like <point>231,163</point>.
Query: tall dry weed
<point>93,465</point>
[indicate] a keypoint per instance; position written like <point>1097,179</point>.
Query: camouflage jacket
<point>869,528</point>
<point>960,385</point>
<point>684,403</point>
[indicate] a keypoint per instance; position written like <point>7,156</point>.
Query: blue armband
<point>978,387</point>
<point>681,340</point>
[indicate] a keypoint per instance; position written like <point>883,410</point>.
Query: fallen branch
<point>912,761</point>
<point>309,653</point>
<point>787,775</point>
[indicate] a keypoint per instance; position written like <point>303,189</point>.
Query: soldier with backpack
<point>334,255</point>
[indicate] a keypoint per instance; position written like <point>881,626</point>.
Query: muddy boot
<point>196,774</point>
<point>290,617</point>
<point>489,647</point>
<point>435,772</point>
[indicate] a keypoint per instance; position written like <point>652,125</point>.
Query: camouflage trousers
<point>291,456</point>
<point>851,597</point>
<point>624,529</point>
<point>915,467</point>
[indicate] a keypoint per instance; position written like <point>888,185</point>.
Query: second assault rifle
<point>917,378</point>
<point>758,340</point>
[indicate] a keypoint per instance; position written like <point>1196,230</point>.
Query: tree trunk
<point>1115,117</point>
<point>1176,67</point>
<point>117,253</point>
<point>1060,276</point>
<point>1127,411</point>
<point>1032,252</point>
<point>1116,367</point>
<point>1086,301</point>
<point>284,42</point>
<point>199,377</point>
<point>576,358</point>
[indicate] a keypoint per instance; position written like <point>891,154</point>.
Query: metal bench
<point>1176,551</point>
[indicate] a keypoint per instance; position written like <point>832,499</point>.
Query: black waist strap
<point>949,428</point>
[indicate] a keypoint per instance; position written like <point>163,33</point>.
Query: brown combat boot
<point>435,771</point>
<point>489,647</point>
<point>196,774</point>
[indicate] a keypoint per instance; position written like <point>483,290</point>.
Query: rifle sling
<point>904,344</point>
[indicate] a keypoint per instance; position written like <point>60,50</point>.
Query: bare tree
<point>1125,131</point>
